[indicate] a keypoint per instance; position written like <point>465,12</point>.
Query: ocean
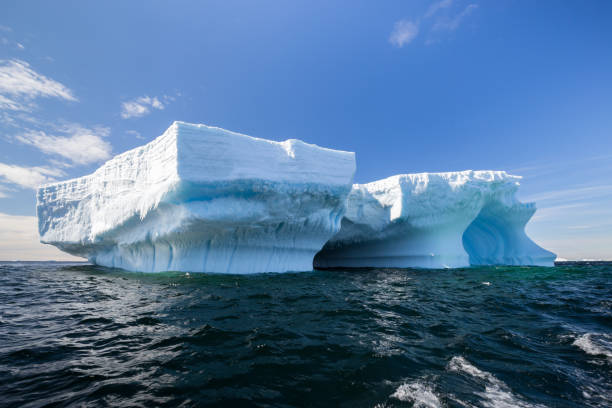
<point>82,335</point>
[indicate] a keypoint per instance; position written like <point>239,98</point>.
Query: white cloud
<point>19,240</point>
<point>9,104</point>
<point>20,85</point>
<point>28,177</point>
<point>451,24</point>
<point>437,6</point>
<point>5,28</point>
<point>3,190</point>
<point>403,33</point>
<point>140,107</point>
<point>20,46</point>
<point>78,144</point>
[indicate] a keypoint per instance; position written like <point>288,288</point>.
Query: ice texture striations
<point>201,198</point>
<point>435,220</point>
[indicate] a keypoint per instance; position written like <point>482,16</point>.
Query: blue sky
<point>409,86</point>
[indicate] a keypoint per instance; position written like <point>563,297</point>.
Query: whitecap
<point>496,394</point>
<point>420,394</point>
<point>595,344</point>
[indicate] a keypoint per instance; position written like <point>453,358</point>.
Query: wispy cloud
<point>438,18</point>
<point>27,177</point>
<point>597,164</point>
<point>403,33</point>
<point>572,194</point>
<point>10,104</point>
<point>20,85</point>
<point>4,190</point>
<point>140,106</point>
<point>65,144</point>
<point>437,6</point>
<point>75,143</point>
<point>452,23</point>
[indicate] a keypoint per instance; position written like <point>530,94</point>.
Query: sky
<point>410,86</point>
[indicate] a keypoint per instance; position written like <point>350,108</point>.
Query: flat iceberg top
<point>213,154</point>
<point>191,164</point>
<point>453,178</point>
<point>199,153</point>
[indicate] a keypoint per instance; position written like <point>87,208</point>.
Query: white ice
<point>201,198</point>
<point>435,220</point>
<point>204,199</point>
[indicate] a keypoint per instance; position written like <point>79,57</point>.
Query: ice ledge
<point>435,220</point>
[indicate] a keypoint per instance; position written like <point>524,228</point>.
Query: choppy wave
<point>80,335</point>
<point>496,393</point>
<point>595,344</point>
<point>420,394</point>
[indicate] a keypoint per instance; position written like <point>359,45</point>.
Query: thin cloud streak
<point>20,85</point>
<point>440,5</point>
<point>580,193</point>
<point>451,24</point>
<point>406,30</point>
<point>27,177</point>
<point>79,145</point>
<point>544,169</point>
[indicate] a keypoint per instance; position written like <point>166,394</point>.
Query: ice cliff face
<point>435,220</point>
<point>200,198</point>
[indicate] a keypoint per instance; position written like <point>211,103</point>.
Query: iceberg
<point>202,199</point>
<point>435,220</point>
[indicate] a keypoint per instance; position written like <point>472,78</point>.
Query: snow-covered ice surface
<point>201,198</point>
<point>435,220</point>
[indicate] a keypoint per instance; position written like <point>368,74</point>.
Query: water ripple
<point>80,335</point>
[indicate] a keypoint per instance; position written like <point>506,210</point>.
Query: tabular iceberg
<point>201,198</point>
<point>435,220</point>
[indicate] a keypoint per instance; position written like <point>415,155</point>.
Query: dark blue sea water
<point>80,335</point>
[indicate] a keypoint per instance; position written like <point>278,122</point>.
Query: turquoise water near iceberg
<point>81,335</point>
